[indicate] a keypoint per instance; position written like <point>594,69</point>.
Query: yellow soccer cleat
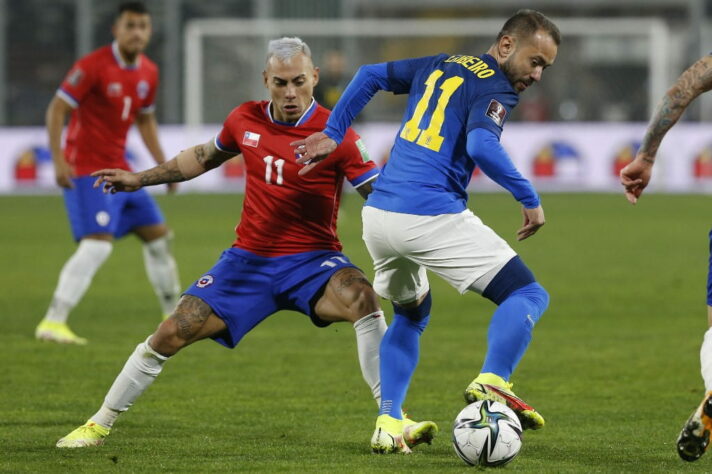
<point>695,436</point>
<point>57,332</point>
<point>89,434</point>
<point>489,386</point>
<point>418,432</point>
<point>388,437</point>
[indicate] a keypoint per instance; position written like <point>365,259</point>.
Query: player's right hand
<point>636,176</point>
<point>533,220</point>
<point>63,173</point>
<point>115,180</point>
<point>312,150</point>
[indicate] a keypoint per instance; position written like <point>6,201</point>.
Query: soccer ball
<point>487,433</point>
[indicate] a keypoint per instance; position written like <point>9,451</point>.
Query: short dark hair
<point>133,7</point>
<point>526,22</point>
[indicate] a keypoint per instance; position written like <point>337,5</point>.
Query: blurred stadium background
<point>617,59</point>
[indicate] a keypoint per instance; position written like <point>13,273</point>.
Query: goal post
<point>215,50</point>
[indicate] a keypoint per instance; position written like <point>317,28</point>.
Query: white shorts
<point>457,247</point>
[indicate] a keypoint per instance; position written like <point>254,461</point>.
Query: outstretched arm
<point>693,82</point>
<point>368,80</point>
<point>148,128</point>
<point>185,166</point>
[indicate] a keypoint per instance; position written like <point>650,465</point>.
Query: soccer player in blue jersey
<point>695,436</point>
<point>416,218</point>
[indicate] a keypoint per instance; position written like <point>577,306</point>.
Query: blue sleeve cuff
<point>484,148</point>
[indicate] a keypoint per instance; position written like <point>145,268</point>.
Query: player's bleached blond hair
<point>285,48</point>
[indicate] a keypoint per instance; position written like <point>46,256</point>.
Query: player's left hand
<point>636,176</point>
<point>115,180</point>
<point>533,220</point>
<point>312,150</point>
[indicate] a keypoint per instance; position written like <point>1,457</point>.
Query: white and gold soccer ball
<point>487,433</point>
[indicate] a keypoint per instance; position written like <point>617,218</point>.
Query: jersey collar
<point>305,116</point>
<point>123,64</point>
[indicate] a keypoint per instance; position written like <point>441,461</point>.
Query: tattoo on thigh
<point>190,315</point>
<point>347,279</point>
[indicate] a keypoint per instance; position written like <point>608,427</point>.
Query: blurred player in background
<point>286,256</point>
<point>695,436</point>
<point>416,218</point>
<point>104,93</point>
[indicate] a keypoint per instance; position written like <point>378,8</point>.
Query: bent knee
<point>168,338</point>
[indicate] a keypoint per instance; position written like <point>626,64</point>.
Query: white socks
<point>706,360</point>
<point>139,372</point>
<point>162,272</point>
<point>76,276</point>
<point>369,332</point>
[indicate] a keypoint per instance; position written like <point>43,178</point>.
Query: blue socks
<point>510,329</point>
<point>399,354</point>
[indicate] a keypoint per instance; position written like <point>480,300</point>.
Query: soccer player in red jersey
<point>286,255</point>
<point>104,93</point>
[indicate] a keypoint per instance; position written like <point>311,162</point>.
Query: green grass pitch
<point>613,366</point>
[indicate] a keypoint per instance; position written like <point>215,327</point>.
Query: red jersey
<point>284,213</point>
<point>106,95</point>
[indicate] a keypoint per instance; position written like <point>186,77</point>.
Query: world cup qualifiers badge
<point>205,280</point>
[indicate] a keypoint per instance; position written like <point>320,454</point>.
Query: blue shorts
<point>243,289</point>
<point>91,211</point>
<point>709,276</point>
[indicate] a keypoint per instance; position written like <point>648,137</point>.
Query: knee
<point>356,294</point>
<point>537,297</point>
<point>417,313</point>
<point>540,297</point>
<point>168,339</point>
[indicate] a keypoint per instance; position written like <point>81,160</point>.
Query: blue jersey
<point>448,96</point>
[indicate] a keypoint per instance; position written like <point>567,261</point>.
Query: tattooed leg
<point>193,320</point>
<point>349,297</point>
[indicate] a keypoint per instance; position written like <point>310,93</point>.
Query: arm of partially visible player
<point>185,166</point>
<point>484,148</point>
<point>368,80</point>
<point>55,118</point>
<point>693,82</point>
<point>148,128</point>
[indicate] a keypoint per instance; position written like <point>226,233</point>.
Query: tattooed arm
<point>693,82</point>
<point>185,166</point>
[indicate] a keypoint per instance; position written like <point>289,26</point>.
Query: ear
<point>506,46</point>
<point>316,76</point>
<point>264,79</point>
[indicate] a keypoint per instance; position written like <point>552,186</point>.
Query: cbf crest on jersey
<point>496,112</point>
<point>142,89</point>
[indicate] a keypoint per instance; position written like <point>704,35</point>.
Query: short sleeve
<point>401,72</point>
<point>148,105</point>
<point>227,140</point>
<point>356,163</point>
<point>490,111</point>
<point>78,82</point>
